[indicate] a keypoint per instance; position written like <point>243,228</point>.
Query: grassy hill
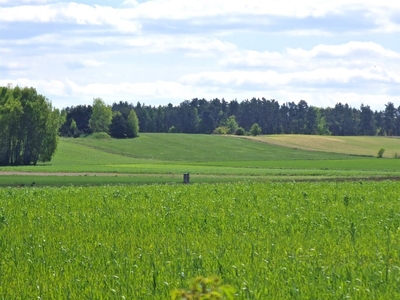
<point>198,148</point>
<point>209,158</point>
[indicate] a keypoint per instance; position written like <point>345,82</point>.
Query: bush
<point>396,155</point>
<point>240,131</point>
<point>172,129</point>
<point>380,152</point>
<point>255,129</point>
<point>221,130</point>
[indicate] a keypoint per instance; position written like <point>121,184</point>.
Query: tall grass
<point>270,241</point>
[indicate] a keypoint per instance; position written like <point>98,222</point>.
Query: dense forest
<point>217,116</point>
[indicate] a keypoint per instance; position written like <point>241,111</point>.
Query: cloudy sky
<point>167,51</point>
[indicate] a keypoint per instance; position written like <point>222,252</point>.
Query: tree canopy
<point>101,116</point>
<point>28,127</point>
<point>220,116</point>
<point>132,125</point>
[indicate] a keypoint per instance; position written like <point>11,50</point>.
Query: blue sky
<point>167,51</point>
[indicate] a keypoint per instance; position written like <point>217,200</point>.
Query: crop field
<point>163,158</point>
<point>356,145</point>
<point>325,240</point>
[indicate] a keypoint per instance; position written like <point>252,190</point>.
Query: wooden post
<point>186,178</point>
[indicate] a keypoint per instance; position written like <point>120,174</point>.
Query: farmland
<point>357,145</point>
<point>163,158</point>
<point>110,219</point>
<point>269,240</point>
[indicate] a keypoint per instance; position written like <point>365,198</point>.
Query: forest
<point>219,116</point>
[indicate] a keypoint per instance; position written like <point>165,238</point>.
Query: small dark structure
<point>186,178</point>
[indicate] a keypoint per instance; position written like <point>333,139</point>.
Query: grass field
<point>107,219</point>
<point>163,158</point>
<point>357,145</point>
<point>268,240</point>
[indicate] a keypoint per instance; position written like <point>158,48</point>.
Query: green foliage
<point>380,152</point>
<point>240,131</point>
<point>205,288</point>
<point>74,129</point>
<point>231,124</point>
<point>172,129</point>
<point>328,240</point>
<point>132,125</point>
<point>221,130</point>
<point>28,127</point>
<point>396,155</point>
<point>101,116</point>
<point>118,127</point>
<point>81,115</point>
<point>202,116</point>
<point>255,129</point>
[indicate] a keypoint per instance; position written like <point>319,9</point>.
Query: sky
<point>158,52</point>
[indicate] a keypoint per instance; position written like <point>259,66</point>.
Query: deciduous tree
<point>28,127</point>
<point>101,116</point>
<point>132,125</point>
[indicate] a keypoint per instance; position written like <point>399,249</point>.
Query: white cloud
<point>230,86</point>
<point>47,87</point>
<point>185,9</point>
<point>186,43</point>
<point>352,55</point>
<point>91,63</point>
<point>84,63</point>
<point>199,13</point>
<point>74,13</point>
<point>329,78</point>
<point>349,50</point>
<point>21,2</point>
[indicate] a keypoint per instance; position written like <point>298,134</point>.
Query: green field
<point>110,219</point>
<point>268,240</point>
<point>163,158</point>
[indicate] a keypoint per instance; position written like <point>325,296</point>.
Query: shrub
<point>380,152</point>
<point>172,129</point>
<point>221,130</point>
<point>396,155</point>
<point>240,131</point>
<point>255,129</point>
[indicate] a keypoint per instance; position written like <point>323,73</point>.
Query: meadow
<point>357,145</point>
<point>163,158</point>
<point>110,219</point>
<point>277,240</point>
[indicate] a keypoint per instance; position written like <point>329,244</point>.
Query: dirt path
<point>4,173</point>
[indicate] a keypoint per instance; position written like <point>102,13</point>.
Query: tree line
<point>219,116</point>
<point>30,126</point>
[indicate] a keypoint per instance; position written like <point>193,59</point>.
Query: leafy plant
<point>231,124</point>
<point>240,131</point>
<point>205,288</point>
<point>221,130</point>
<point>255,129</point>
